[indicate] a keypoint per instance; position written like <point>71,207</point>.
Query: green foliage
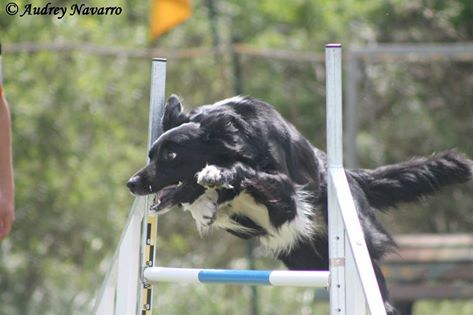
<point>80,126</point>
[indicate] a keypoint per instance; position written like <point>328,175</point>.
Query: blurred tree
<point>419,108</point>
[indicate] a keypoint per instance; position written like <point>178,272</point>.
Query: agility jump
<point>350,279</point>
<point>354,275</point>
<point>351,273</point>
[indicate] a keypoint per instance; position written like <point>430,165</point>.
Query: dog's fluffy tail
<point>389,185</point>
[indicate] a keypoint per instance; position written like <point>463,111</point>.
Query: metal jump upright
<point>351,276</point>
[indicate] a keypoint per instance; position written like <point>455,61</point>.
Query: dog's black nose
<point>133,183</point>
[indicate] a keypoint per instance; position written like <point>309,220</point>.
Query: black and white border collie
<point>239,166</point>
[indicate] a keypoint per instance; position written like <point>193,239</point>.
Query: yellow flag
<point>166,14</point>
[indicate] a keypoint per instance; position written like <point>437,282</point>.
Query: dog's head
<point>185,147</point>
<point>174,156</point>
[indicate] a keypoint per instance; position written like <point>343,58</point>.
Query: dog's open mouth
<point>163,199</point>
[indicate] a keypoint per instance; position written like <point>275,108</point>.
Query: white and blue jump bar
<point>240,277</point>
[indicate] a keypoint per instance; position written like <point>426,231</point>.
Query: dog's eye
<point>169,155</point>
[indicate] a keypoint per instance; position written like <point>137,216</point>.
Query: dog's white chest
<point>208,214</point>
<point>245,205</point>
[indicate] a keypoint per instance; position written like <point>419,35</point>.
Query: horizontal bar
<point>242,277</point>
<point>299,278</point>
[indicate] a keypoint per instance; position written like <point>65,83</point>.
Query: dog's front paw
<point>204,211</point>
<point>211,177</point>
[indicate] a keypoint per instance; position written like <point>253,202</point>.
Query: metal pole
<point>333,78</point>
<point>355,247</point>
<point>347,246</point>
<point>156,107</point>
<point>333,65</point>
<point>150,220</point>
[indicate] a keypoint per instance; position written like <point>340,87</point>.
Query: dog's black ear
<point>219,126</point>
<point>173,115</point>
<point>229,130</point>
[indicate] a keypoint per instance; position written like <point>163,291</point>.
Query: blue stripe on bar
<point>250,277</point>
